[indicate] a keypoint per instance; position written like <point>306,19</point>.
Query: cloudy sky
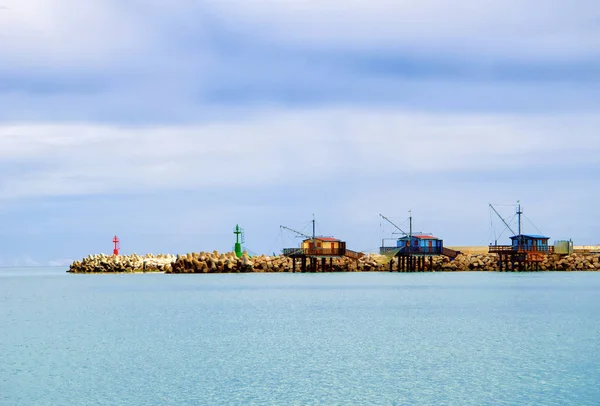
<point>168,122</point>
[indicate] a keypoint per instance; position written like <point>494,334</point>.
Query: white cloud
<point>278,147</point>
<point>58,32</point>
<point>522,29</point>
<point>102,34</point>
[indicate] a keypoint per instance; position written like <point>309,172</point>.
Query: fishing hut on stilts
<point>414,251</point>
<point>316,253</point>
<point>526,251</point>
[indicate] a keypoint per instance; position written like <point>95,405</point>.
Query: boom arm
<point>297,232</point>
<point>505,223</point>
<point>390,221</point>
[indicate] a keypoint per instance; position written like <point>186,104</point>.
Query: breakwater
<point>215,262</point>
<point>102,263</point>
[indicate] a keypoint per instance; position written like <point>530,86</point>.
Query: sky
<point>168,123</point>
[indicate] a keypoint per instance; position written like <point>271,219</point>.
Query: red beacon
<point>117,245</point>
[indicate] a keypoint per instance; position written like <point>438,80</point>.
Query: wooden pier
<point>522,257</point>
<point>413,263</point>
<point>416,258</point>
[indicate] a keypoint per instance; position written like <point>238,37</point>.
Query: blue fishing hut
<point>530,242</point>
<point>526,252</point>
<point>423,244</point>
<point>413,249</point>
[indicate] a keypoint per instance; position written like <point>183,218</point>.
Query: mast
<point>313,237</point>
<point>410,230</point>
<point>519,212</point>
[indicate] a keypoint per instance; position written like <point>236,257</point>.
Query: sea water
<point>348,338</point>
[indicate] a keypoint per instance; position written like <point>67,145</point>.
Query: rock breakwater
<point>215,262</point>
<point>101,263</point>
<point>227,262</point>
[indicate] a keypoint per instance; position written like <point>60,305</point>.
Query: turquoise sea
<point>328,339</point>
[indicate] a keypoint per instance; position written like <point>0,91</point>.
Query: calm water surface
<point>377,338</point>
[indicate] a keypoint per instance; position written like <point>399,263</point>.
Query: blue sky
<point>167,124</point>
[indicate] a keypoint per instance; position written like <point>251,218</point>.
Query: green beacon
<point>239,240</point>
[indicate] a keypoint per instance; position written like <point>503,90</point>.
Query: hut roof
<point>331,239</point>
<point>532,236</point>
<point>421,237</point>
